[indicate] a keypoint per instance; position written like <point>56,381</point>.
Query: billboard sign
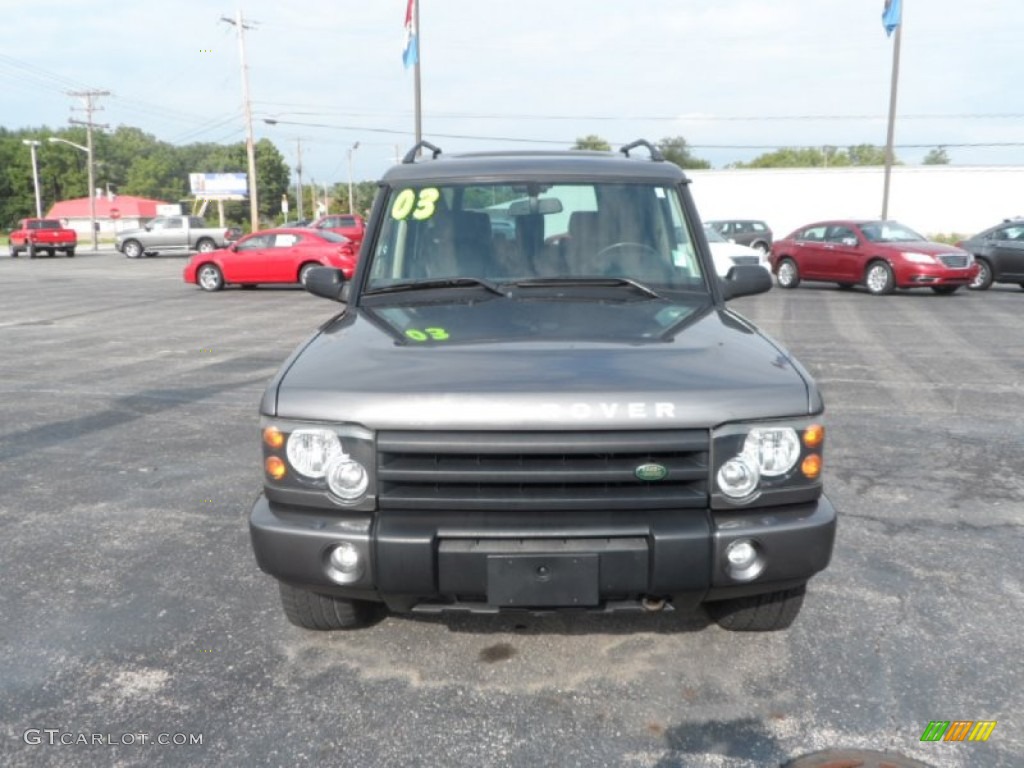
<point>219,186</point>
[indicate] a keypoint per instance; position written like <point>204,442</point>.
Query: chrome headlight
<point>919,258</point>
<point>319,465</point>
<point>774,462</point>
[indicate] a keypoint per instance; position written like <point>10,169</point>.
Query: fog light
<point>345,564</point>
<point>744,560</point>
<point>347,478</point>
<point>741,553</point>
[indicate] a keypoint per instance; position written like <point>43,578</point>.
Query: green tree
<point>817,157</point>
<point>676,151</point>
<point>937,156</point>
<point>592,142</point>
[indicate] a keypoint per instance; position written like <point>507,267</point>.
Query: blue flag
<point>411,52</point>
<point>892,15</point>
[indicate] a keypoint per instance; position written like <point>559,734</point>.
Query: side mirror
<point>746,280</point>
<point>233,247</point>
<point>326,282</point>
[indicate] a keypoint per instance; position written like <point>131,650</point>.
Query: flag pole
<point>892,118</point>
<point>419,55</point>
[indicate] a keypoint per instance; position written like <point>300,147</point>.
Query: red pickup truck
<point>48,235</point>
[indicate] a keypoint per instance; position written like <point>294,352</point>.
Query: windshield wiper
<point>440,282</point>
<point>586,282</point>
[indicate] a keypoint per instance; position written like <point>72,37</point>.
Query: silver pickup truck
<point>183,234</point>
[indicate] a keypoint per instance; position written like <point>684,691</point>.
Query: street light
<point>351,208</point>
<point>92,194</point>
<point>32,144</point>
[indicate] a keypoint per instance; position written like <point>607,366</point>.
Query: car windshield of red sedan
<point>890,232</point>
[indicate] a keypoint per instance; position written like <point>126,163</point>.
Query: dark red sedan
<point>880,255</point>
<point>271,256</point>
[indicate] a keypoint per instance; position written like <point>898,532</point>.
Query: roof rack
<point>656,155</point>
<point>410,156</point>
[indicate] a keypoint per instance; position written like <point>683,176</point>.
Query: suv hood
<point>540,365</point>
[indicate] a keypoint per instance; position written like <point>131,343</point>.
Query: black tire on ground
<point>983,281</point>
<point>846,286</point>
<point>759,613</point>
<point>305,269</point>
<point>761,246</point>
<point>31,250</point>
<point>311,610</point>
<point>206,245</point>
<point>51,252</point>
<point>787,274</point>
<point>945,290</point>
<point>14,252</point>
<point>132,249</point>
<point>879,278</point>
<point>70,253</point>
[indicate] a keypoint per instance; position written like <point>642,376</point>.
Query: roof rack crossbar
<point>410,156</point>
<point>656,155</point>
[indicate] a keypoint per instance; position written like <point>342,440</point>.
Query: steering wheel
<point>643,262</point>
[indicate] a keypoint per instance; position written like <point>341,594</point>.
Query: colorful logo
<point>958,730</point>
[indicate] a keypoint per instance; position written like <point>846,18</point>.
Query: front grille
<point>540,470</point>
<point>954,260</point>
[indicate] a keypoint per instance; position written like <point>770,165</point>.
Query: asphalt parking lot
<point>131,603</point>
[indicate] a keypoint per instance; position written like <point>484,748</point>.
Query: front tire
<point>879,279</point>
<point>31,250</point>
<point>761,246</point>
<point>759,613</point>
<point>132,249</point>
<point>206,245</point>
<point>311,610</point>
<point>983,280</point>
<point>788,275</point>
<point>209,277</point>
<point>305,269</point>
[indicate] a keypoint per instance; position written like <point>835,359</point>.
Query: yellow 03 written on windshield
<point>420,205</point>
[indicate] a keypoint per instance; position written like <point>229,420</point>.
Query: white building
<point>932,199</point>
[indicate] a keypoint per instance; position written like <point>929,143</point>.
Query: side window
<point>839,234</point>
<point>758,226</point>
<point>195,222</point>
<point>814,234</point>
<point>285,241</point>
<point>173,224</point>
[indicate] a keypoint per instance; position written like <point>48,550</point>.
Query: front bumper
<point>591,559</point>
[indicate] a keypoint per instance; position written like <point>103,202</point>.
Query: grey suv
<point>570,418</point>
<point>999,253</point>
<point>750,232</point>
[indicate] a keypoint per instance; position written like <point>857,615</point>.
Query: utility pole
<point>32,144</point>
<point>89,108</point>
<point>298,172</point>
<point>250,144</point>
<point>351,206</point>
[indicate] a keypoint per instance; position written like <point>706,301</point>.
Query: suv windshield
<point>511,233</point>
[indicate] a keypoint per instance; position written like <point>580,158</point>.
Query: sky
<point>735,78</point>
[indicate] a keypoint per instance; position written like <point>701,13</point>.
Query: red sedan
<point>880,255</point>
<point>271,256</point>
